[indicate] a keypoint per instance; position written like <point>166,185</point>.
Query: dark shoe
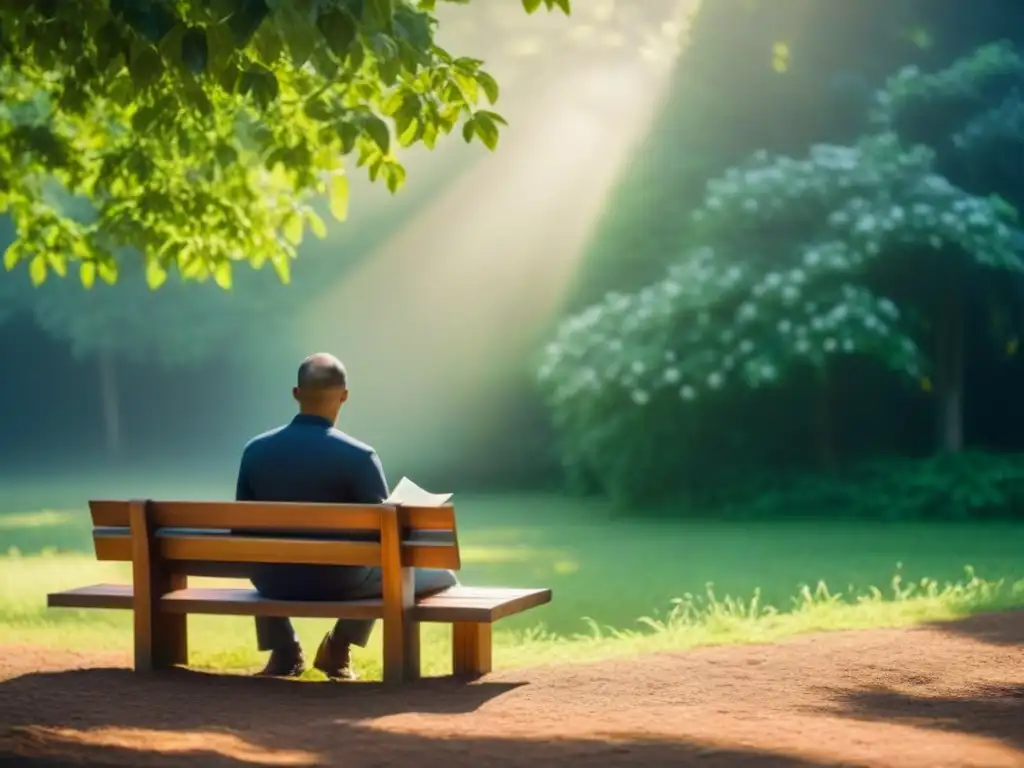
<point>284,662</point>
<point>334,660</point>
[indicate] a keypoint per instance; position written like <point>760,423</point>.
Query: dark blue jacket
<point>308,460</point>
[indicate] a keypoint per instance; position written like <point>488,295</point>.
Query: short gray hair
<point>322,371</point>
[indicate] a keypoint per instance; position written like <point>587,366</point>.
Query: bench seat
<point>456,604</point>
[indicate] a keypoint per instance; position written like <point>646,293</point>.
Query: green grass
<point>604,573</point>
<point>226,642</point>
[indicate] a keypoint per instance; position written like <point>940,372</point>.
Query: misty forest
<point>736,258</point>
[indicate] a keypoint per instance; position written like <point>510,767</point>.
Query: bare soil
<point>942,695</point>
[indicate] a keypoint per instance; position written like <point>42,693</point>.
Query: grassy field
<point>695,583</point>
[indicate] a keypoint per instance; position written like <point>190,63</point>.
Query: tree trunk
<point>949,375</point>
<point>824,425</point>
<point>111,404</point>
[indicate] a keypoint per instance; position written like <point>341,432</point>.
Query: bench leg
<point>471,649</point>
<point>401,652</point>
<point>161,639</point>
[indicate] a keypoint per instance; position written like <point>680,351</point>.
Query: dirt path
<point>947,695</point>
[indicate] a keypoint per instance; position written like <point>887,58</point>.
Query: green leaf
<point>316,224</point>
<point>531,5</point>
<point>292,228</point>
<point>195,53</point>
<point>486,129</point>
<point>156,275</point>
<point>299,35</point>
<point>377,130</point>
<point>380,13</point>
<point>12,255</point>
<point>339,196</point>
<point>144,118</point>
<point>146,68</point>
<point>246,19</point>
<point>37,270</point>
<point>348,132</point>
<point>222,274</point>
<point>468,129</point>
<point>87,274</point>
<point>107,271</point>
<point>494,117</point>
<point>490,86</point>
<point>394,176</point>
<point>283,268</point>
<point>339,30</point>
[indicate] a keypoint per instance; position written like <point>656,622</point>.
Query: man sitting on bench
<point>308,460</point>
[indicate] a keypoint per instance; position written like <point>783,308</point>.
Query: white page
<point>408,494</point>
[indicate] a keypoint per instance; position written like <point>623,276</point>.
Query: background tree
<point>180,325</point>
<point>801,263</point>
<point>199,130</point>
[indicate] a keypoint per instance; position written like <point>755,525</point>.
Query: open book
<point>408,494</point>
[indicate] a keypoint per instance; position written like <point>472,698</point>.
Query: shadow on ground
<point>191,718</point>
<point>992,628</point>
<point>994,712</point>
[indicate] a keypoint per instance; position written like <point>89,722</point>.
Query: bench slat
<point>115,544</point>
<point>478,604</point>
<point>247,602</point>
<point>270,516</point>
<point>458,604</point>
<point>243,549</point>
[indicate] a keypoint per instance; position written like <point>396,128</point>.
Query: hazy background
<point>440,299</point>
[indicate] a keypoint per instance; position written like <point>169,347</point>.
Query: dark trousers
<point>329,583</point>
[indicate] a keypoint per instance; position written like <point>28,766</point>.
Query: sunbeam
<point>435,323</point>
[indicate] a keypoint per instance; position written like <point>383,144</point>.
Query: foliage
<point>787,287</point>
<point>200,131</point>
<point>965,486</point>
<point>965,80</point>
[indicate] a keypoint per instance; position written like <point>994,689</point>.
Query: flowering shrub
<point>785,287</point>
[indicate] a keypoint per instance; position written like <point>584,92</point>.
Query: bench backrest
<point>258,532</point>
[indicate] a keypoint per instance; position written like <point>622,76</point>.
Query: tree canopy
<point>199,132</point>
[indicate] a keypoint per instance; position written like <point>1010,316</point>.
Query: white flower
<point>867,223</point>
<point>746,347</point>
<point>638,367</point>
<point>803,346</point>
<point>715,380</point>
<point>790,294</point>
<point>886,307</point>
<point>812,258</point>
<point>687,393</point>
<point>672,375</point>
<point>747,311</point>
<point>640,397</point>
<point>784,326</point>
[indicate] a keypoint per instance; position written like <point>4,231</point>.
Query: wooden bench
<point>167,541</point>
